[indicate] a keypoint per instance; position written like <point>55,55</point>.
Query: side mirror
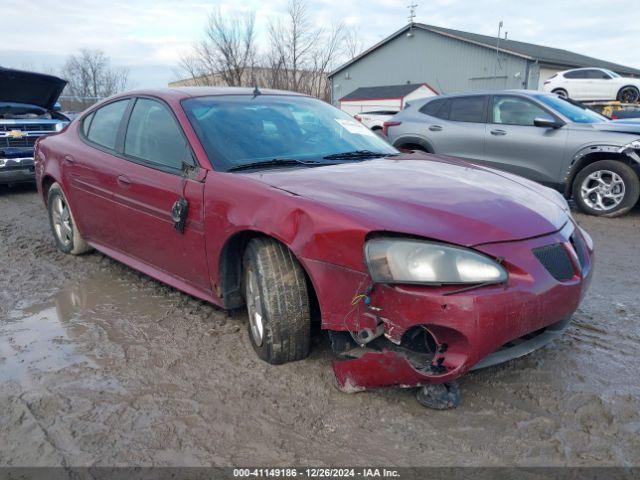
<point>547,123</point>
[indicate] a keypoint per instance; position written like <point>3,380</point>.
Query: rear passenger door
<point>457,127</point>
<point>153,150</point>
<point>516,145</point>
<point>92,171</point>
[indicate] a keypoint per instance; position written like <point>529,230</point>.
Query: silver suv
<point>543,137</point>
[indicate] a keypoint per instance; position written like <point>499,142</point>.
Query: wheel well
<point>595,157</point>
<point>413,146</point>
<point>629,86</point>
<point>47,181</point>
<point>230,267</point>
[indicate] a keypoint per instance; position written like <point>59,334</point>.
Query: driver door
<point>513,143</point>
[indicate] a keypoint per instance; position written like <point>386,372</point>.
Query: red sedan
<point>420,267</point>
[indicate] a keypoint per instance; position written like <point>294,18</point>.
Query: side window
<point>516,111</point>
<point>154,136</point>
<point>86,124</point>
<point>103,129</point>
<point>576,74</point>
<point>597,74</point>
<point>434,108</point>
<point>468,109</point>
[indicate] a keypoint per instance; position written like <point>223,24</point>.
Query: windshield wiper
<point>357,154</point>
<point>273,162</point>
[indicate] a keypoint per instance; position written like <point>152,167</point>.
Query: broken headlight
<point>397,260</point>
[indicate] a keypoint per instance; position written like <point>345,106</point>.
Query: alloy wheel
<point>603,190</point>
<point>629,95</point>
<point>61,218</point>
<point>254,308</point>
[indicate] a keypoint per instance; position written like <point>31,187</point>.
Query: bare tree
<point>227,53</point>
<point>90,76</point>
<point>300,55</point>
<point>352,43</point>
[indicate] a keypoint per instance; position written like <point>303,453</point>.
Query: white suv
<point>593,84</point>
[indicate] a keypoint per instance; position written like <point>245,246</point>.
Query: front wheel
<point>63,225</point>
<point>628,95</point>
<point>607,188</point>
<point>275,290</point>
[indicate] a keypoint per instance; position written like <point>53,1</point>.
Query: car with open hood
<point>419,267</point>
<point>28,110</point>
<point>545,138</point>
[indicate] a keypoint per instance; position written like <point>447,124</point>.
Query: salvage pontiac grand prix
<point>420,267</point>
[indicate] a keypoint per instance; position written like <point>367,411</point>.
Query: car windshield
<point>613,74</point>
<point>572,110</point>
<point>239,130</point>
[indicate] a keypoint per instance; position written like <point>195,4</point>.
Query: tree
<point>226,55</point>
<point>90,76</point>
<point>300,55</point>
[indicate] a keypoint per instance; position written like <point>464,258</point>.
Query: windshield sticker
<point>354,127</point>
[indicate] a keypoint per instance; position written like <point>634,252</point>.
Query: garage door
<point>545,74</point>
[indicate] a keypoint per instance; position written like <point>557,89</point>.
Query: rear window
<point>105,124</point>
<point>468,109</point>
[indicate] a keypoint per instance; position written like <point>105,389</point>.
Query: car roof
<point>180,93</point>
<point>523,92</point>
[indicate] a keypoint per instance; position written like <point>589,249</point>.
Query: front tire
<point>63,226</point>
<point>277,299</point>
<point>628,94</point>
<point>607,188</point>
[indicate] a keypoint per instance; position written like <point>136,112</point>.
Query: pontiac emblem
<point>16,134</point>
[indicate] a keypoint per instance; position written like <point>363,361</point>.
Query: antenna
<point>412,16</point>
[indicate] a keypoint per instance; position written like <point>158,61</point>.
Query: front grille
<point>24,142</point>
<point>28,127</point>
<point>556,260</point>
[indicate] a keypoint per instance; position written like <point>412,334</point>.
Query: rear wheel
<point>628,94</point>
<point>65,232</point>
<point>561,92</point>
<point>275,290</point>
<point>607,188</point>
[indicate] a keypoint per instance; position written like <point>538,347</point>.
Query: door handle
<point>69,159</point>
<point>498,133</point>
<point>124,181</point>
<point>435,128</point>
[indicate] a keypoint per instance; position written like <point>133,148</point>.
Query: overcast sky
<point>150,36</point>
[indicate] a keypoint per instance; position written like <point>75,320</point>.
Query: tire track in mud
<point>116,368</point>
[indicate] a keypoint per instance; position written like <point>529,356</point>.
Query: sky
<point>150,36</point>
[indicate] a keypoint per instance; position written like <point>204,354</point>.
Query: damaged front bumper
<point>417,335</point>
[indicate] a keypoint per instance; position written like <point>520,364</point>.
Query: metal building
<point>453,61</point>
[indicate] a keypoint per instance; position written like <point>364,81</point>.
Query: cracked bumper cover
<point>480,327</point>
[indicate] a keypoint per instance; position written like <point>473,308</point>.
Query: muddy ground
<point>100,365</point>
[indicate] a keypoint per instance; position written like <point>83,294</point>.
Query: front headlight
<point>397,260</point>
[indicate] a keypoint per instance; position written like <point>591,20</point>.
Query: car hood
<point>438,198</point>
<point>30,88</point>
<point>618,127</point>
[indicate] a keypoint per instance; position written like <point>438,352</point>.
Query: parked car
<point>627,114</point>
<point>593,84</point>
<point>543,137</point>
<point>28,110</point>
<point>236,197</point>
<point>374,120</point>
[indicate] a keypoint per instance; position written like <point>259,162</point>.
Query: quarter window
<point>154,136</point>
<point>516,111</point>
<point>434,108</point>
<point>103,129</point>
<point>468,109</point>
